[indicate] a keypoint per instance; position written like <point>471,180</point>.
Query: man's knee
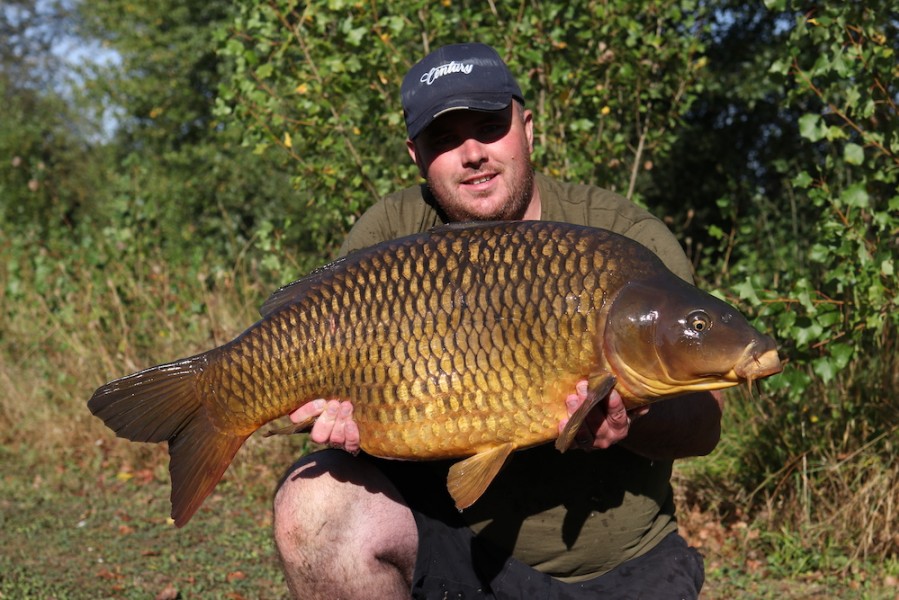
<point>335,515</point>
<point>332,487</point>
<point>307,526</point>
<point>308,493</point>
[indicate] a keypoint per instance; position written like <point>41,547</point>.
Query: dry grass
<point>61,343</point>
<point>845,502</point>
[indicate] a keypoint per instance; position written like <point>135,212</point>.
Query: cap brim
<point>485,104</point>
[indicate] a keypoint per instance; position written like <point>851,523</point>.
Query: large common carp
<point>459,342</point>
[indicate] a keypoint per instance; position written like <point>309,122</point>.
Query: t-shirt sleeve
<point>598,207</point>
<point>371,228</point>
<point>653,234</point>
<point>395,215</point>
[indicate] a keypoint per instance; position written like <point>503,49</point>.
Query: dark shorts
<point>453,564</point>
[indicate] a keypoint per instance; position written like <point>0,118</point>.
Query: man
<point>579,525</point>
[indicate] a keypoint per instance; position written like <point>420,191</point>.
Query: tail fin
<point>162,404</point>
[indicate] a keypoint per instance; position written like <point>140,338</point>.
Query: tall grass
<point>75,495</point>
<point>819,501</point>
<point>74,319</point>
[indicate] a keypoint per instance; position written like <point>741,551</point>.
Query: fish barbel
<point>460,342</point>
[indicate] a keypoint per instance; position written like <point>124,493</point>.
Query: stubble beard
<point>521,190</point>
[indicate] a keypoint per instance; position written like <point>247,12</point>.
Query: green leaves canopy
<point>608,82</point>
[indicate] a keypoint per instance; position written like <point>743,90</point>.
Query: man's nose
<point>473,152</point>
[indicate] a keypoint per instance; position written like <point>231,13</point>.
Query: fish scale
<point>343,326</point>
<point>461,342</point>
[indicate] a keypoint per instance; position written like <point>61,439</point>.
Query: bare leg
<point>343,531</point>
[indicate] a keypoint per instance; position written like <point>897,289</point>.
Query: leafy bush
<point>319,82</point>
<point>828,287</point>
<point>793,214</point>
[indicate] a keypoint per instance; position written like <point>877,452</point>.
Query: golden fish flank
<point>461,342</point>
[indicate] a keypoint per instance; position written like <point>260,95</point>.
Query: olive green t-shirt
<point>575,515</point>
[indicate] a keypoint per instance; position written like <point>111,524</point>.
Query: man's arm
<point>688,425</point>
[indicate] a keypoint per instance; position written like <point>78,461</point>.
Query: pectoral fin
<point>468,478</point>
<point>598,388</point>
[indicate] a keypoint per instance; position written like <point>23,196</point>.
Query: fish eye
<point>699,321</point>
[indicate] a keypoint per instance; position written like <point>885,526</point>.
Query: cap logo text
<point>445,69</point>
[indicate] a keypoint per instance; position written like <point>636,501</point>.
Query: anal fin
<point>468,478</point>
<point>598,388</point>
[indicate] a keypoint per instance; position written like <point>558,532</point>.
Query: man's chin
<point>475,208</point>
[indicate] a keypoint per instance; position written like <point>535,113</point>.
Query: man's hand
<point>606,425</point>
<point>335,425</point>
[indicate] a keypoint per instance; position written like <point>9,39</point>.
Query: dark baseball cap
<point>455,77</point>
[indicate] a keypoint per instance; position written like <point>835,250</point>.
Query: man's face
<point>478,164</point>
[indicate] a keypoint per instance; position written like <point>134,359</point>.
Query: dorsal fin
<point>463,225</point>
<point>297,290</point>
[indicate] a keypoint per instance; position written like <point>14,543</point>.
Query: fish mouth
<point>752,365</point>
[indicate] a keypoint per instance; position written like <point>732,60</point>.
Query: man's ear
<point>527,118</point>
<point>413,153</point>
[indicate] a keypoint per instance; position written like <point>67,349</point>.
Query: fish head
<point>664,337</point>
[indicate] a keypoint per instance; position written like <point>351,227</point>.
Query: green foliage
<point>836,309</point>
<point>48,174</point>
<point>182,183</point>
<point>724,178</point>
<point>319,82</point>
<point>817,261</point>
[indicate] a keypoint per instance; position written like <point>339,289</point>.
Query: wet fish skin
<point>460,342</point>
